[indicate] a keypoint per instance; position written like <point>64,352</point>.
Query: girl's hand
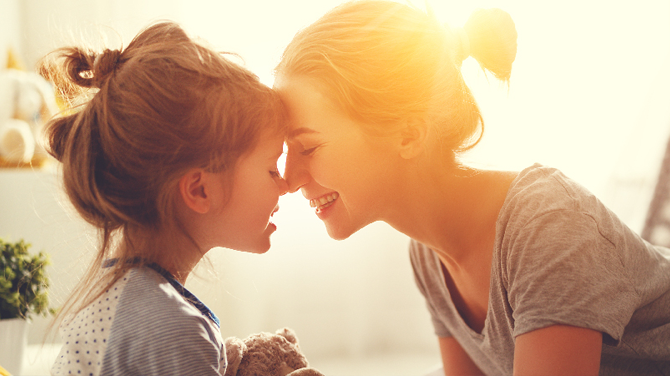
<point>558,350</point>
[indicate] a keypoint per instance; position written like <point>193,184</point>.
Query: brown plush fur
<point>267,354</point>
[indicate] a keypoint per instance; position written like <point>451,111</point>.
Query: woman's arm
<point>558,350</point>
<point>455,360</point>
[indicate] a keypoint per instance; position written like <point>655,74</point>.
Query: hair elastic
<point>97,60</point>
<point>99,57</point>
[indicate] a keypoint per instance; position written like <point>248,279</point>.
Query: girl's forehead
<point>272,138</point>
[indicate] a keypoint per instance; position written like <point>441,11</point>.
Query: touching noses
<point>295,172</point>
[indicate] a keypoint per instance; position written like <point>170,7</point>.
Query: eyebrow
<point>298,131</point>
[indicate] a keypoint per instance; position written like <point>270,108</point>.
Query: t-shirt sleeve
<point>156,332</point>
<point>425,275</point>
<point>183,350</point>
<point>559,269</point>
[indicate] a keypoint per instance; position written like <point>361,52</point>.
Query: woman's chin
<point>339,232</point>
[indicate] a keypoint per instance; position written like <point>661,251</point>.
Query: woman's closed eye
<point>275,173</point>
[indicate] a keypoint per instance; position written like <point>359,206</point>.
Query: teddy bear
<point>267,354</point>
<point>27,101</point>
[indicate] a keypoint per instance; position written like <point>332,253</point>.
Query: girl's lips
<point>271,225</point>
<point>324,201</point>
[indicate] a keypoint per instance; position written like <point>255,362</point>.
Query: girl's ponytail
<point>491,40</point>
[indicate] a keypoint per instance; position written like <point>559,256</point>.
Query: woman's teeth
<point>323,201</point>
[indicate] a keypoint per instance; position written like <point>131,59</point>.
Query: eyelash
<point>275,173</point>
<point>308,151</point>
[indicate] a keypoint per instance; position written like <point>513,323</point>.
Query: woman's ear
<point>194,190</point>
<point>412,138</point>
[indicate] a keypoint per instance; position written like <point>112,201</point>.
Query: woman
<point>523,272</point>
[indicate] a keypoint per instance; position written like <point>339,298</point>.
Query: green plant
<point>23,282</point>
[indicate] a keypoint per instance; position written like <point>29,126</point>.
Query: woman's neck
<point>452,211</point>
<point>455,213</point>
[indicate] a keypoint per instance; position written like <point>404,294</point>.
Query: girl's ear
<point>193,190</point>
<point>412,138</point>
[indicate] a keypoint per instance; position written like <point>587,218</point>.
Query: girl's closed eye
<point>309,151</point>
<point>275,173</point>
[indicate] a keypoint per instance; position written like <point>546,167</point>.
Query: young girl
<point>175,153</point>
<point>524,273</point>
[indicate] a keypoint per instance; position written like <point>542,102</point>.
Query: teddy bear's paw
<point>235,349</point>
<point>308,371</point>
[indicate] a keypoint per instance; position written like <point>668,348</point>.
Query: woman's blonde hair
<point>152,111</point>
<point>384,62</point>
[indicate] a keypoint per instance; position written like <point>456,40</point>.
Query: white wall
<point>52,24</point>
<point>10,29</point>
<point>33,208</point>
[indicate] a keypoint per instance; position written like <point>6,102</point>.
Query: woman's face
<point>342,171</point>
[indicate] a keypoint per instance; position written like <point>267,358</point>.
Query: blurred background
<point>589,94</point>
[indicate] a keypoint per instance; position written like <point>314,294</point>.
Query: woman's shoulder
<point>542,200</point>
<point>539,189</point>
<point>539,180</point>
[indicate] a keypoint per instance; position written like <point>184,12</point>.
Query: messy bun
<point>384,62</point>
<point>91,70</point>
<point>80,70</point>
<point>492,39</point>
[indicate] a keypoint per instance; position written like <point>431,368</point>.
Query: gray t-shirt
<point>561,257</point>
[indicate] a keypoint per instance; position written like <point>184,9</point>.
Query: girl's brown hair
<point>384,62</point>
<point>154,110</point>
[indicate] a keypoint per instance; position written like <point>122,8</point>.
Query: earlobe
<point>193,190</point>
<point>412,138</point>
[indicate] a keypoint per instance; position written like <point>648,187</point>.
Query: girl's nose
<point>295,172</point>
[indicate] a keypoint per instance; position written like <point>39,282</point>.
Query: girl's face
<point>243,218</point>
<point>343,172</point>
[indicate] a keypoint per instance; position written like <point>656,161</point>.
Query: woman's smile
<point>323,201</point>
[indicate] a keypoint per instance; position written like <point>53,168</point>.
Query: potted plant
<point>23,293</point>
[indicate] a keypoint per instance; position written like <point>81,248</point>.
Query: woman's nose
<point>295,173</point>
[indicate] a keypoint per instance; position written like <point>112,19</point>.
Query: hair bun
<point>492,40</point>
<point>104,65</point>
